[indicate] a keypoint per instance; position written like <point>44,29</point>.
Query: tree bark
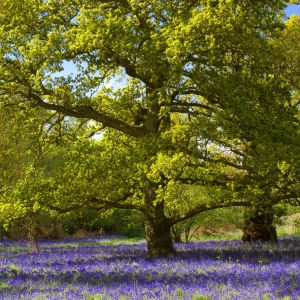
<point>157,227</point>
<point>259,226</point>
<point>158,237</point>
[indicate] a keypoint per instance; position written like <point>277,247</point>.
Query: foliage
<point>202,104</point>
<point>216,223</point>
<point>13,148</point>
<point>112,221</point>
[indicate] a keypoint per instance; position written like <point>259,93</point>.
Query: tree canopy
<point>207,98</point>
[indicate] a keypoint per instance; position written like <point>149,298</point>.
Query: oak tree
<point>198,92</point>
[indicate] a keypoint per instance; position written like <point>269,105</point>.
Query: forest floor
<point>114,267</point>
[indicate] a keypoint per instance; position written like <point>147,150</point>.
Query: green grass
<point>287,230</point>
<point>105,242</point>
<point>112,242</point>
<point>228,236</point>
<point>282,231</point>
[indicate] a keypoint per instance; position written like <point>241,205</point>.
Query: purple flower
<point>85,269</point>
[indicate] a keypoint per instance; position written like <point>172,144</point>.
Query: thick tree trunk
<point>259,226</point>
<point>158,238</point>
<point>157,229</point>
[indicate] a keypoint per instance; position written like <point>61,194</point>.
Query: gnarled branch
<point>205,207</point>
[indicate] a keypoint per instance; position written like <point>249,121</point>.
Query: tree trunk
<point>158,237</point>
<point>157,227</point>
<point>2,231</point>
<point>32,233</point>
<point>259,226</point>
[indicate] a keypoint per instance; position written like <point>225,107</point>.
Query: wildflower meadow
<point>112,267</point>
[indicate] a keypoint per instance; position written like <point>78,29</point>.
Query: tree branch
<point>131,71</point>
<point>185,110</point>
<point>286,197</point>
<point>116,204</point>
<point>89,113</point>
<point>5,189</point>
<point>192,104</point>
<point>202,208</point>
<point>104,203</point>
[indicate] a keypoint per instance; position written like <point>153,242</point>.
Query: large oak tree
<point>199,102</point>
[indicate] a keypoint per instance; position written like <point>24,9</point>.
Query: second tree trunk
<point>259,226</point>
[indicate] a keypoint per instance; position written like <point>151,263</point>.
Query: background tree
<point>14,157</point>
<point>285,175</point>
<point>210,62</point>
<point>26,148</point>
